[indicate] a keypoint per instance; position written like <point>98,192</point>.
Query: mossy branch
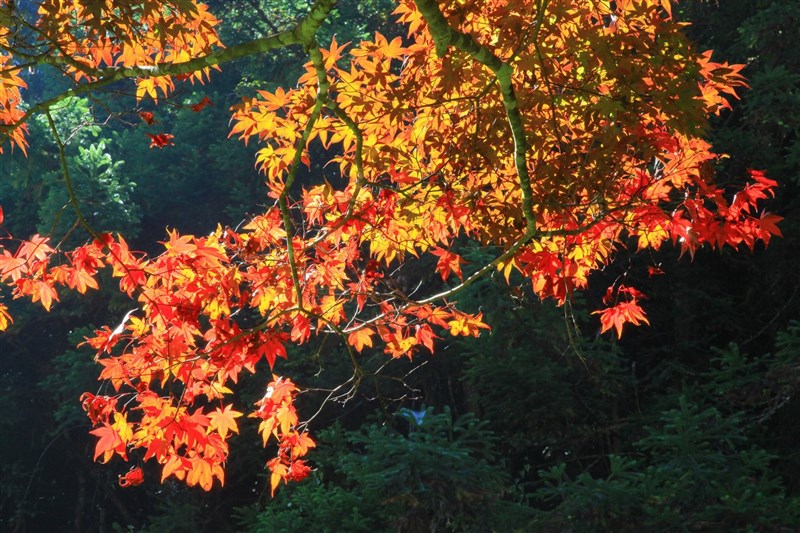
<point>323,84</point>
<point>302,33</point>
<point>444,36</point>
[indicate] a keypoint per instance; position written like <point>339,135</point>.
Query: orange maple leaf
<point>620,314</point>
<point>223,421</point>
<point>298,443</point>
<point>5,318</point>
<point>360,338</point>
<point>301,329</point>
<point>425,336</point>
<point>36,247</point>
<point>279,471</point>
<point>200,473</point>
<point>298,471</point>
<point>11,266</point>
<point>113,438</point>
<point>467,325</point>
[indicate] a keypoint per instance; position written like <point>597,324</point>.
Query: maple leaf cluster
<point>555,132</point>
<point>279,419</point>
<point>626,311</point>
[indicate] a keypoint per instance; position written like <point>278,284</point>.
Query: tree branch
<point>73,199</point>
<point>302,33</point>
<point>322,96</point>
<point>445,36</point>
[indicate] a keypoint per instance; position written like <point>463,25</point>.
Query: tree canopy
<point>553,135</point>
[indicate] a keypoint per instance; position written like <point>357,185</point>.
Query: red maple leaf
<point>448,262</point>
<point>109,443</point>
<point>619,315</point>
<point>146,116</point>
<point>298,471</point>
<point>135,476</point>
<point>160,140</point>
<point>201,104</point>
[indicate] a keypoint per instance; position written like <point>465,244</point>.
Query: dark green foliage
<point>421,471</point>
<point>73,373</point>
<point>34,191</point>
<point>440,474</point>
<point>693,470</point>
<point>757,386</point>
<point>313,506</point>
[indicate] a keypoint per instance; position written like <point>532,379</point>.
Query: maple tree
<point>554,132</point>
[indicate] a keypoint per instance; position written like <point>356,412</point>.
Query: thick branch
<point>302,33</point>
<point>445,36</point>
<point>322,96</point>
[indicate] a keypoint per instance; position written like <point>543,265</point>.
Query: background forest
<point>539,425</point>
